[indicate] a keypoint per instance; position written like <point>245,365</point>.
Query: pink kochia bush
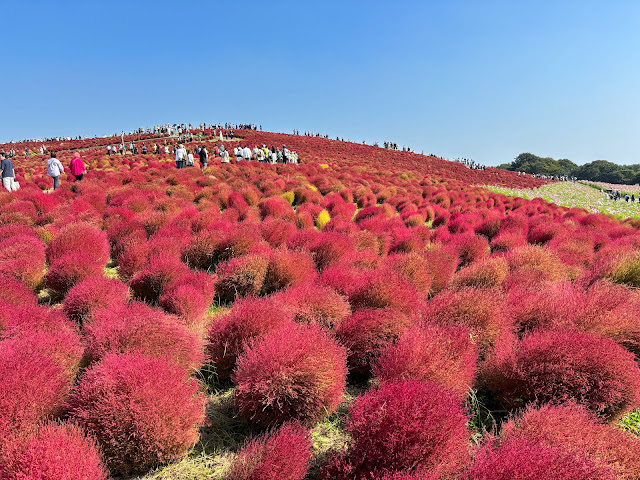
<point>367,333</point>
<point>142,410</point>
<point>249,319</point>
<point>65,272</point>
<point>297,372</point>
<point>523,460</point>
<point>56,452</point>
<point>573,429</point>
<point>24,371</point>
<point>93,294</point>
<point>281,454</point>
<point>139,328</point>
<point>241,277</point>
<point>414,426</point>
<point>313,303</point>
<point>555,366</point>
<point>444,355</point>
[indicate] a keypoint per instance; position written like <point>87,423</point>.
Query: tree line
<point>597,171</point>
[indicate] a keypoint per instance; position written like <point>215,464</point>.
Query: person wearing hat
<point>8,177</point>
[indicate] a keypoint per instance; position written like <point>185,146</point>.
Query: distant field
<point>576,195</point>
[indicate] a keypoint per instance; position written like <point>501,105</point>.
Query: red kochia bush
<point>444,355</point>
<point>55,452</point>
<point>287,268</point>
<point>403,426</point>
<point>68,270</point>
<point>159,272</point>
<point>480,310</point>
<point>143,411</point>
<point>524,460</point>
<point>241,277</point>
<point>384,288</point>
<point>79,237</point>
<point>297,372</point>
<point>367,333</point>
<point>250,318</point>
<point>488,273</point>
<point>557,366</point>
<point>92,294</point>
<point>312,303</point>
<point>413,268</point>
<point>573,429</point>
<point>138,328</point>
<point>281,454</point>
<point>23,257</point>
<point>443,265</point>
<point>24,371</point>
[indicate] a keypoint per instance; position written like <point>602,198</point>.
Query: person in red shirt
<point>77,167</point>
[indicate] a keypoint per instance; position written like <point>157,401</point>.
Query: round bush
<point>297,372</point>
<point>312,303</point>
<point>404,425</point>
<point>249,319</point>
<point>288,268</point>
<point>79,237</point>
<point>24,371</point>
<point>93,294</point>
<point>384,288</point>
<point>143,411</point>
<point>367,333</point>
<point>159,272</point>
<point>413,268</point>
<point>572,428</point>
<point>55,452</point>
<point>138,328</point>
<point>444,355</point>
<point>556,366</point>
<point>23,257</point>
<point>281,454</point>
<point>488,273</point>
<point>190,303</point>
<point>67,271</point>
<point>523,460</point>
<point>241,277</point>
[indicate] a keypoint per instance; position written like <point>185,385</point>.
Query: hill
<point>366,313</point>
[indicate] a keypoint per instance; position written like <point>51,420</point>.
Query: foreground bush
<point>313,303</point>
<point>67,271</point>
<point>77,238</point>
<point>143,411</point>
<point>367,333</point>
<point>403,426</point>
<point>55,452</point>
<point>524,460</point>
<point>241,277</point>
<point>24,371</point>
<point>297,372</point>
<point>249,319</point>
<point>555,367</point>
<point>480,310</point>
<point>93,294</point>
<point>281,454</point>
<point>140,329</point>
<point>444,355</point>
<point>573,429</point>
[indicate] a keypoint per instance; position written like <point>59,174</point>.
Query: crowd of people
<point>557,178</point>
<point>469,163</point>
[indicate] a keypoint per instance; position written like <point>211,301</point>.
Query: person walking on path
<point>8,176</point>
<point>54,169</point>
<point>77,167</point>
<point>224,155</point>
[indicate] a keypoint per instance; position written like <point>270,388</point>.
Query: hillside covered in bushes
<point>366,314</point>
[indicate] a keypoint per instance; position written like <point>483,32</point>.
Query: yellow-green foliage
<point>324,165</point>
<point>289,197</point>
<point>627,271</point>
<point>323,219</point>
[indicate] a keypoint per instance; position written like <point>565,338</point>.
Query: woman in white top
<point>54,169</point>
<point>224,155</point>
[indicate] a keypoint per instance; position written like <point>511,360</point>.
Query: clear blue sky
<point>480,79</point>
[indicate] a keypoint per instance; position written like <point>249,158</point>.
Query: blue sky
<point>486,80</point>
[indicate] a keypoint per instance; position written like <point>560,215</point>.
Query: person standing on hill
<point>224,155</point>
<point>77,167</point>
<point>181,155</point>
<point>189,159</point>
<point>204,156</point>
<point>8,176</point>
<point>54,169</point>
